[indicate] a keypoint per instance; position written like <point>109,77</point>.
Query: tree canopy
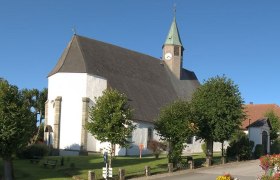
<point>110,119</point>
<point>175,126</point>
<point>16,122</point>
<point>36,99</point>
<point>275,123</point>
<point>217,108</point>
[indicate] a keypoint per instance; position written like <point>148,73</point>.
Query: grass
<point>79,166</point>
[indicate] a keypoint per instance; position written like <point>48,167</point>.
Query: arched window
<point>150,134</point>
<point>264,141</point>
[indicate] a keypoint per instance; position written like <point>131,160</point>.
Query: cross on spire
<point>174,9</point>
<point>74,30</point>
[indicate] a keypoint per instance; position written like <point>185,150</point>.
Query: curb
<point>158,176</point>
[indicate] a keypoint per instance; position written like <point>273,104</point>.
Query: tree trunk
<point>223,149</point>
<point>112,152</point>
<point>209,148</point>
<point>8,168</point>
<point>209,153</point>
<point>38,131</point>
<point>170,159</point>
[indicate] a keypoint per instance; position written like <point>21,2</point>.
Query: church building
<point>87,67</point>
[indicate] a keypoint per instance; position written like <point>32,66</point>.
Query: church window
<point>190,140</point>
<point>150,134</point>
<point>176,51</point>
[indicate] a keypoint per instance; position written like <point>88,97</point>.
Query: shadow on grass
<point>79,166</point>
<point>200,162</point>
<point>135,167</point>
<point>25,170</point>
<point>128,161</point>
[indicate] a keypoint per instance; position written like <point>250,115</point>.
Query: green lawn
<point>80,165</point>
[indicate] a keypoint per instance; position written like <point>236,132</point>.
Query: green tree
<point>275,123</point>
<point>36,101</point>
<point>110,120</point>
<point>174,126</point>
<point>240,146</point>
<point>16,124</point>
<point>217,109</point>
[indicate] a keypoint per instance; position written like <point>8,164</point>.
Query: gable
<point>261,123</point>
<point>71,59</point>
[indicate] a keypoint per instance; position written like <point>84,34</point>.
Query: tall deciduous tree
<point>175,126</point>
<point>217,108</point>
<point>36,101</point>
<point>110,119</point>
<point>17,126</point>
<point>275,123</point>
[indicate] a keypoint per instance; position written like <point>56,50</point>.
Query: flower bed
<point>271,166</point>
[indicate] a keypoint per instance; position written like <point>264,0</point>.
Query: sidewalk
<point>244,170</point>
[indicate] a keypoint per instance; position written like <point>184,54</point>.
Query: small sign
<point>104,172</point>
<point>107,172</point>
<point>110,172</point>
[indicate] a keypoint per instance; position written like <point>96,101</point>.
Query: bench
<point>35,159</point>
<point>185,162</point>
<point>50,162</point>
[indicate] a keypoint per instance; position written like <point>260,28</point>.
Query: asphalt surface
<point>249,170</point>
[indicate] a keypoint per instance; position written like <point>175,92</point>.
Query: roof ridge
<point>65,56</point>
<point>82,52</point>
<point>134,51</point>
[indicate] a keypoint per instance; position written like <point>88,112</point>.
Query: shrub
<point>275,147</point>
<point>240,147</point>
<point>156,147</point>
<point>259,151</point>
<point>33,150</point>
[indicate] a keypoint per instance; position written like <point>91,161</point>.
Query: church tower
<point>173,50</point>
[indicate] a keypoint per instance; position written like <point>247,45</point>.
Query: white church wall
<point>95,86</point>
<point>195,146</point>
<point>72,87</point>
<point>140,136</point>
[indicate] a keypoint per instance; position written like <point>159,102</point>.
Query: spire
<point>173,36</point>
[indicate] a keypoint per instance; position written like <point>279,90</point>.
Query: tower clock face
<point>168,56</point>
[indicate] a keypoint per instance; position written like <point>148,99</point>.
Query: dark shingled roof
<point>146,81</point>
<point>260,123</point>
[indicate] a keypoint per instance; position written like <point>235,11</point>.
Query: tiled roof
<point>257,111</point>
<point>146,80</point>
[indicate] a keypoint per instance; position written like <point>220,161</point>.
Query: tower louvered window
<point>176,51</point>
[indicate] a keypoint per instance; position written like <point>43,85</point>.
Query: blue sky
<point>238,38</point>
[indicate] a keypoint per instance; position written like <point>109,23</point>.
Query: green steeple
<point>173,36</point>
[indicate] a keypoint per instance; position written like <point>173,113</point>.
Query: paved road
<point>248,170</point>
